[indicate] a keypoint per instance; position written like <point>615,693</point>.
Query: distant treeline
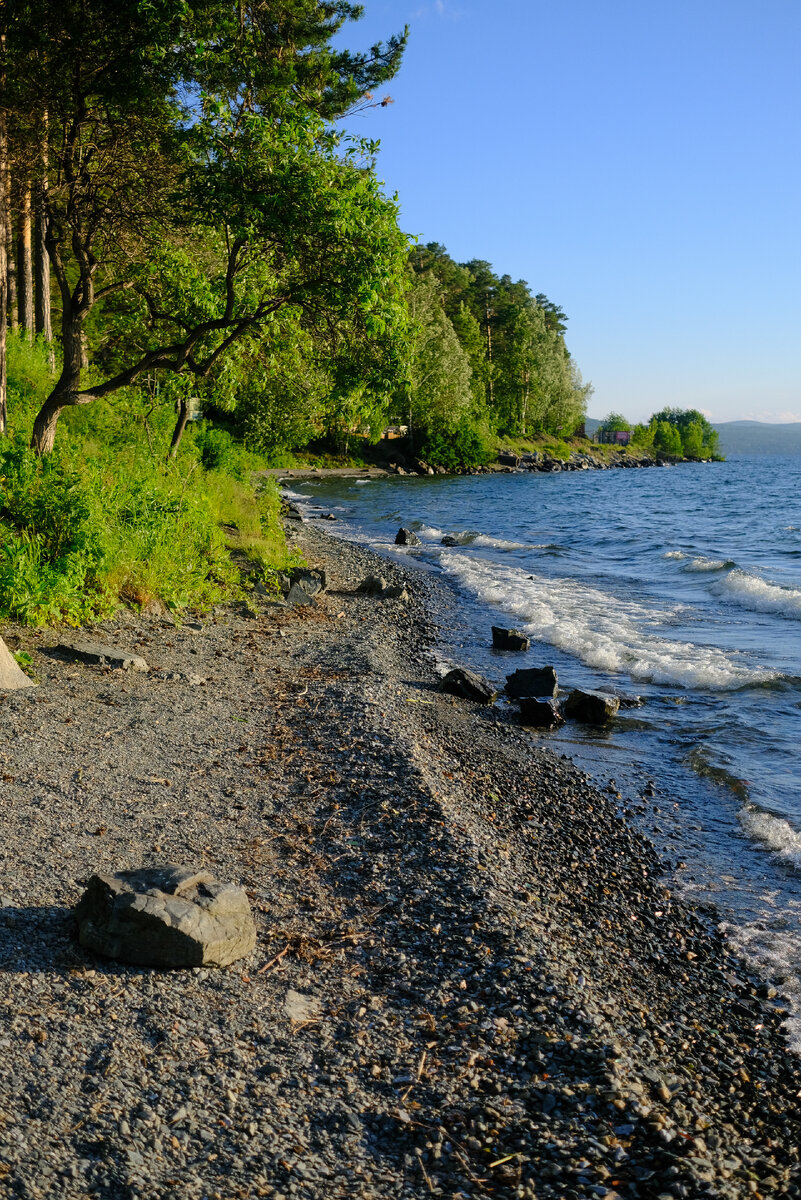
<point>683,432</point>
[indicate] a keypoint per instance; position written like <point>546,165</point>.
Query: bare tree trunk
<point>3,262</point>
<point>25,260</point>
<point>180,426</point>
<point>67,389</point>
<point>41,258</point>
<point>7,234</point>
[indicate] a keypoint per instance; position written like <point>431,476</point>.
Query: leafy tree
<point>666,437</point>
<point>614,423</point>
<point>195,181</point>
<point>691,425</point>
<point>438,395</point>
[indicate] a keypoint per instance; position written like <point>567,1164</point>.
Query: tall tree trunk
<point>7,234</point>
<point>25,260</point>
<point>41,258</point>
<point>66,392</point>
<point>4,215</point>
<point>3,262</point>
<point>180,426</point>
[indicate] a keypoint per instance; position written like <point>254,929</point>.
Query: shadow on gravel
<point>43,939</point>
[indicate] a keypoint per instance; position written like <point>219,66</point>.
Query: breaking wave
<point>749,591</point>
<point>600,629</point>
<point>775,833</point>
<point>709,564</point>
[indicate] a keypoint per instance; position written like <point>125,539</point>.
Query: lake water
<point>679,585</point>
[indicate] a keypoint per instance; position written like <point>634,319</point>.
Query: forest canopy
<point>181,201</point>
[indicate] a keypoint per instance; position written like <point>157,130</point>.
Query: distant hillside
<point>756,437</point>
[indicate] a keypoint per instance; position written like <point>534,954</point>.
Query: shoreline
<point>504,997</point>
<point>506,464</point>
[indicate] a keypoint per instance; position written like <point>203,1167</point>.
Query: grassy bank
<point>107,519</point>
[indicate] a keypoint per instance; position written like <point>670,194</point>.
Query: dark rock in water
<point>469,686</point>
<point>298,596</point>
<point>595,708</point>
<point>405,537</point>
<point>544,714</point>
<point>509,639</point>
<point>449,540</point>
<point>328,517</point>
<point>533,681</point>
<point>507,459</point>
<point>312,581</point>
<point>101,655</point>
<point>165,917</point>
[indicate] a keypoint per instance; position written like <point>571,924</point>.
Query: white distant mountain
<point>747,437</point>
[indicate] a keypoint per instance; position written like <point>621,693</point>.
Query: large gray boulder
<point>468,686</point>
<point>12,678</point>
<point>594,708</point>
<point>310,579</point>
<point>532,681</point>
<point>297,596</point>
<point>165,917</point>
<point>99,654</point>
<point>376,585</point>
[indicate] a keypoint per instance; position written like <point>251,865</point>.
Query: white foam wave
<point>602,630</point>
<point>775,833</point>
<point>708,564</point>
<point>288,494</point>
<point>360,482</point>
<point>776,953</point>
<point>674,554</point>
<point>429,531</point>
<point>749,591</point>
<point>482,539</point>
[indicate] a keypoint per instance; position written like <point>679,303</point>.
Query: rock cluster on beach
<point>471,977</point>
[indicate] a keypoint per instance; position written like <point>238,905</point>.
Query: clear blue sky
<point>636,160</point>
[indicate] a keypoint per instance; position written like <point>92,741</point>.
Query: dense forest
<point>188,229</point>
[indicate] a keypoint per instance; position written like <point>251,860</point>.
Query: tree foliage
<point>523,376</point>
<point>196,180</point>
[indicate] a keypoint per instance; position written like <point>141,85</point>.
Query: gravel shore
<point>470,978</point>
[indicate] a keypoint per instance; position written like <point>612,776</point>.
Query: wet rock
<point>468,686</point>
<point>542,714</point>
<point>100,654</point>
<point>12,678</point>
<point>532,681</point>
<point>165,916</point>
<point>509,639</point>
<point>594,708</point>
<point>405,537</point>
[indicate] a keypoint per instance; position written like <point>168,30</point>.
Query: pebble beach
<point>471,977</point>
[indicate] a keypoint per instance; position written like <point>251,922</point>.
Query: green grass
<point>106,519</point>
